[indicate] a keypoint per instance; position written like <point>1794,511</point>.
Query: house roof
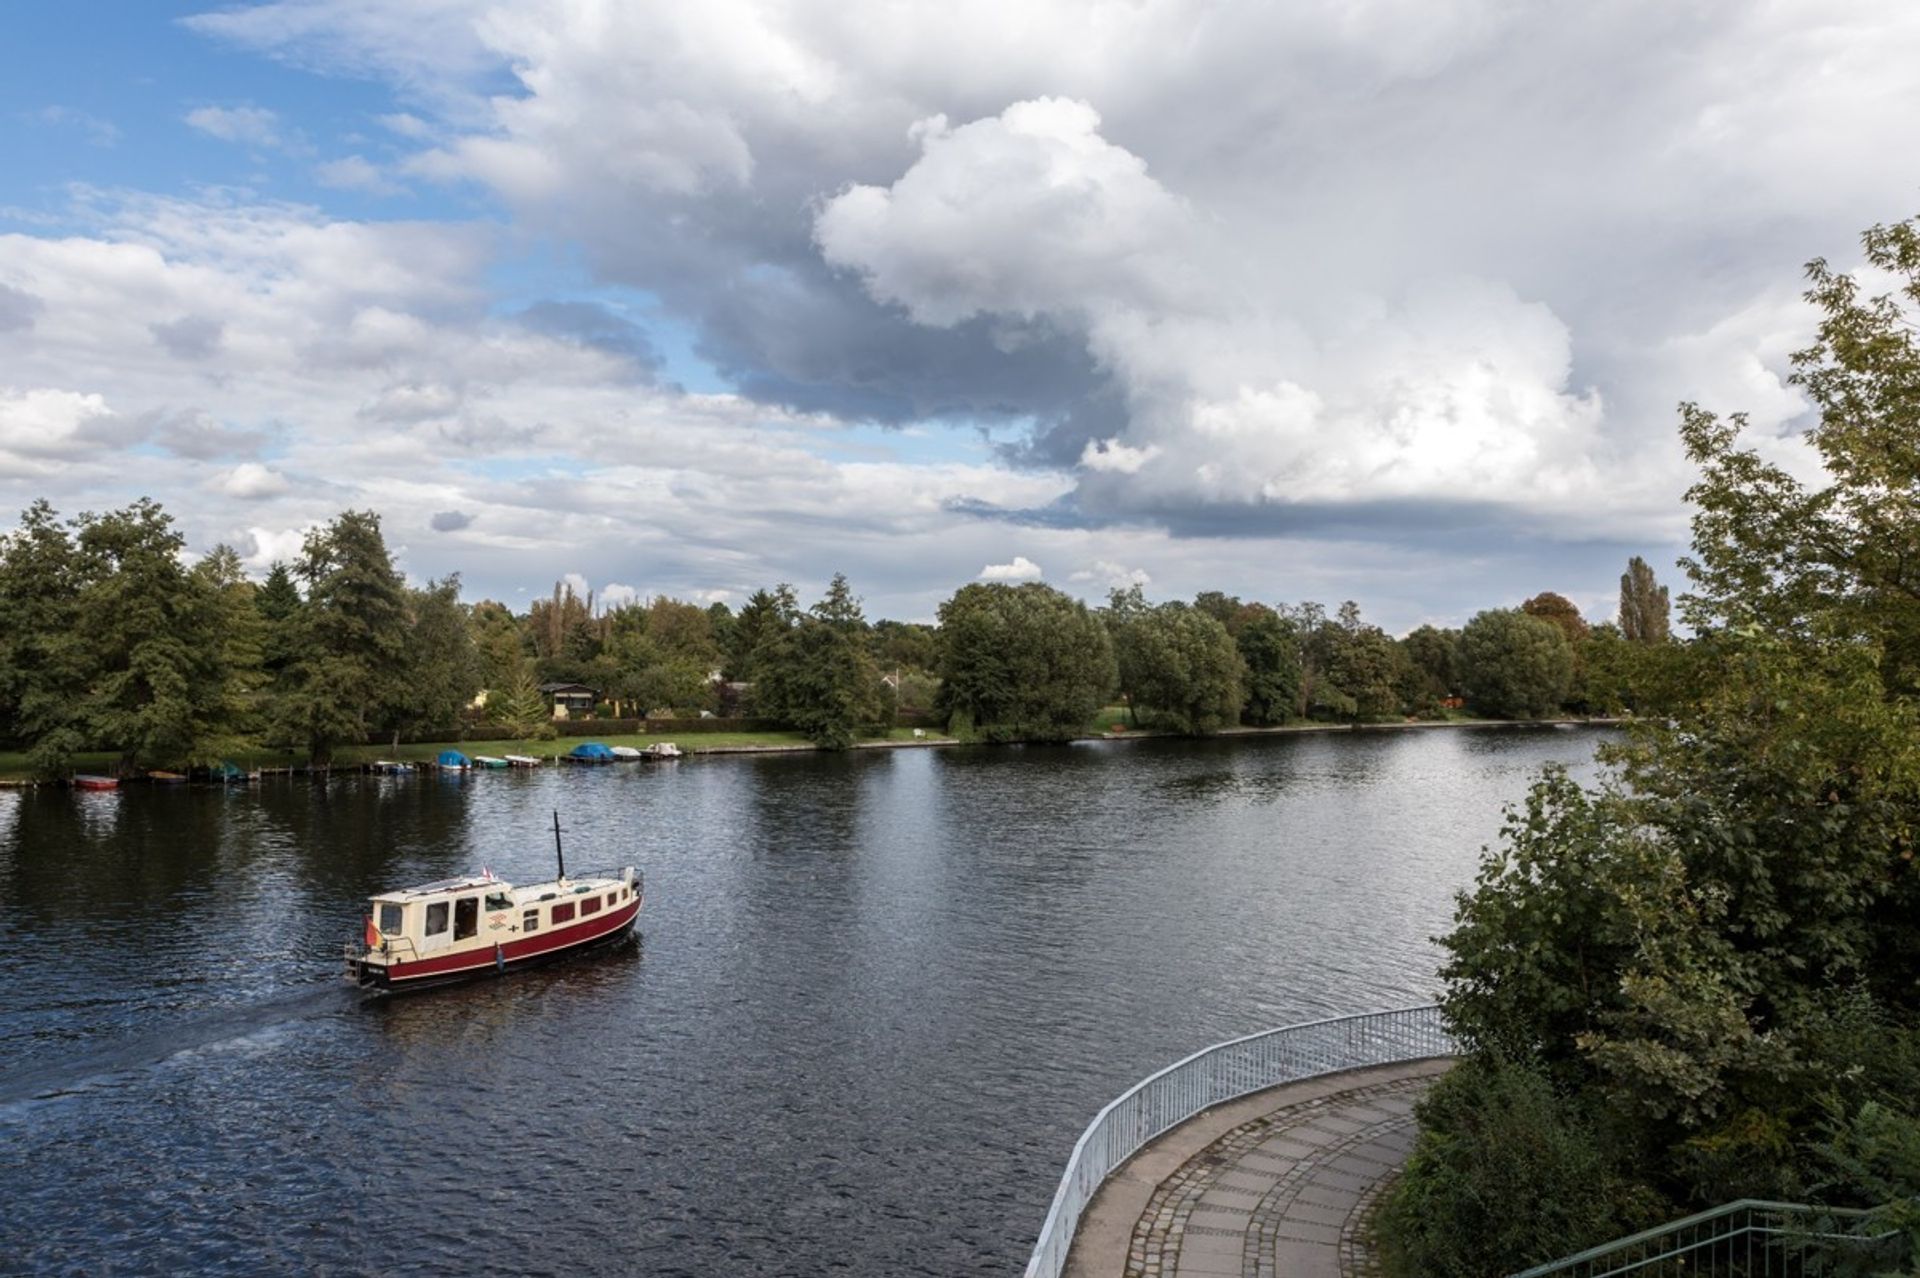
<point>565,687</point>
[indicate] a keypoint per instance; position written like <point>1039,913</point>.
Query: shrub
<point>1507,1174</point>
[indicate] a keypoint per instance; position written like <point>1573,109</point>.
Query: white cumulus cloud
<point>1020,569</point>
<point>251,481</point>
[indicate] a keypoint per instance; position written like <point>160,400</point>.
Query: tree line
<point>1699,980</point>
<point>111,640</point>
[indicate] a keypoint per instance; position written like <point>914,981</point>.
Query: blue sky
<point>1392,303</point>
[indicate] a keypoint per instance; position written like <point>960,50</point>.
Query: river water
<point>874,999</point>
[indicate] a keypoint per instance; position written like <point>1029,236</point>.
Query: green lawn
<point>13,764</point>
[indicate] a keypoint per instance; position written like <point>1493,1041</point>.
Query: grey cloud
<point>189,337</point>
<point>590,324</point>
<point>18,309</point>
<point>198,435</point>
<point>451,521</point>
<point>812,340</point>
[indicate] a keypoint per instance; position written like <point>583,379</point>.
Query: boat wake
<point>223,1029</point>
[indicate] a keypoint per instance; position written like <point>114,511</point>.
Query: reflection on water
<point>876,997</point>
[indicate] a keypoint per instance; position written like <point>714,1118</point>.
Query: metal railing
<point>1215,1075</point>
<point>1745,1239</point>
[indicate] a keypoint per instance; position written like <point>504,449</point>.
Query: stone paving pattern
<point>1283,1195</point>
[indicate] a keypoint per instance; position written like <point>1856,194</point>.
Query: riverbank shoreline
<point>424,752</point>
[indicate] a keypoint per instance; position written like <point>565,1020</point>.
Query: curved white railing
<point>1222,1073</point>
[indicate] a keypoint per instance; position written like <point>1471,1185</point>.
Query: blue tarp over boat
<point>453,759</point>
<point>591,752</point>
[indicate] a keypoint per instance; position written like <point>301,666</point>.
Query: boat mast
<point>557,853</point>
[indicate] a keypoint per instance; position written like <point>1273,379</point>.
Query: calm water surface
<point>875,997</point>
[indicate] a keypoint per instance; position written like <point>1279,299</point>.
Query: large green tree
<point>1430,671</point>
<point>443,667</point>
<point>42,667</point>
<point>1513,666</point>
<point>1359,665</point>
<point>1270,659</point>
<point>150,641</point>
<point>1021,663</point>
<point>1186,669</point>
<point>764,616</point>
<point>350,658</point>
<point>818,678</point>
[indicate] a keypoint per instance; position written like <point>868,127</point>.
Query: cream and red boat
<point>484,926</point>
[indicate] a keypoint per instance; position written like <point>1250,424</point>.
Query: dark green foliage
<point>42,669</point>
<point>1021,663</point>
<point>839,607</point>
<point>1513,666</point>
<point>147,634</point>
<point>443,668</point>
<point>1717,948</point>
<point>817,678</point>
<point>1361,667</point>
<point>1509,1172</point>
<point>765,614</point>
<point>903,646</point>
<point>110,641</point>
<point>1184,667</point>
<point>1430,669</point>
<point>1270,660</point>
<point>350,650</point>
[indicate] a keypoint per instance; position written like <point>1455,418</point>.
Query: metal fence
<point>1745,1239</point>
<point>1217,1074</point>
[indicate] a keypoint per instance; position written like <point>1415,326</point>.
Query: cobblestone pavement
<point>1282,1195</point>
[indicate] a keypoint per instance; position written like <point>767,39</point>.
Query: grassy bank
<point>1110,722</point>
<point>14,766</point>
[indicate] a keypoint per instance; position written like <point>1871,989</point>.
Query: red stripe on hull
<point>552,942</point>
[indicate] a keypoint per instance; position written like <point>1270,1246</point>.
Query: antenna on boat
<point>557,853</point>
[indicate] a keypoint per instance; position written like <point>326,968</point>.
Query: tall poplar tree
<point>1643,604</point>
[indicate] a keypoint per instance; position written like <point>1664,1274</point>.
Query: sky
<point>1383,300</point>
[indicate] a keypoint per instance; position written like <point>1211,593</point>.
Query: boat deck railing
<point>1213,1076</point>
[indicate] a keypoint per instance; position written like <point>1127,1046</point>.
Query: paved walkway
<point>1273,1185</point>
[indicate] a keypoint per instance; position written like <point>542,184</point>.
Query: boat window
<point>611,898</point>
<point>530,921</point>
<point>436,917</point>
<point>498,901</point>
<point>466,917</point>
<point>563,912</point>
<point>390,918</point>
<point>590,906</point>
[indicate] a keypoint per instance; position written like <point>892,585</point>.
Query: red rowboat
<point>85,782</point>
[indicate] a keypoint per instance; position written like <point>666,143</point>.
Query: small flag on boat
<point>373,934</point>
<point>486,872</point>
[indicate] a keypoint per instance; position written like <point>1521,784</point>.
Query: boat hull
<point>498,960</point>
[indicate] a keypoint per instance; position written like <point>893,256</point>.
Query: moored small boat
<point>489,761</point>
<point>161,777</point>
<point>663,750</point>
<point>626,754</point>
<point>388,767</point>
<point>453,761</point>
<point>522,761</point>
<point>459,929</point>
<point>88,781</point>
<point>589,752</point>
